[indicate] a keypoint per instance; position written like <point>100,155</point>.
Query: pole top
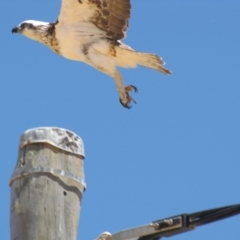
<point>58,137</point>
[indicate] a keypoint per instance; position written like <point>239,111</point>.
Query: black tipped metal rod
<point>212,215</point>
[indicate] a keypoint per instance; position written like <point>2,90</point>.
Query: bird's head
<point>31,29</point>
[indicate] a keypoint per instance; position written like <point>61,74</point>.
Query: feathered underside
<point>90,31</point>
<point>109,16</point>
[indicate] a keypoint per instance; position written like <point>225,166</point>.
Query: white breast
<point>73,37</point>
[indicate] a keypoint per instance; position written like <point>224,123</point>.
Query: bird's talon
<point>134,89</point>
<point>126,105</point>
<point>128,99</point>
<point>131,88</point>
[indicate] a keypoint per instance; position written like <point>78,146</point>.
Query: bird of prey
<point>91,31</point>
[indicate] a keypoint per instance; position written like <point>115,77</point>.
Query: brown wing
<point>112,16</point>
<point>109,16</point>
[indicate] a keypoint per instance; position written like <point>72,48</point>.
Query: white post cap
<point>58,137</point>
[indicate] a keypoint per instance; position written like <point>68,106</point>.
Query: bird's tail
<point>152,61</point>
<point>127,57</point>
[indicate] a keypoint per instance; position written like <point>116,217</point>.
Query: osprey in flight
<point>90,31</point>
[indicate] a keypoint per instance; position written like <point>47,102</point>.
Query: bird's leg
<point>123,91</point>
<point>124,97</point>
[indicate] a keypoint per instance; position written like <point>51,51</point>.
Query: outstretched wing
<point>109,16</point>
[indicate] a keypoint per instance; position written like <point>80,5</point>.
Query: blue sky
<point>176,151</point>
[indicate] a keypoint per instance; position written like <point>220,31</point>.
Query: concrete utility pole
<point>47,185</point>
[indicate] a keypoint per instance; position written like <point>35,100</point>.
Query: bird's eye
<point>23,25</point>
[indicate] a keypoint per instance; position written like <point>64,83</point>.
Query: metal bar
<point>174,225</point>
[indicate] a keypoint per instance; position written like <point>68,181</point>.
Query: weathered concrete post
<point>47,185</point>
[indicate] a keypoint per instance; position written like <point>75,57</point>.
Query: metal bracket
<point>72,180</point>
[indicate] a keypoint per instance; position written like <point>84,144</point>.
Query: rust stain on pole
<point>47,185</point>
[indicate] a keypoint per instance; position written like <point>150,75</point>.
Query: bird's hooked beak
<point>15,30</point>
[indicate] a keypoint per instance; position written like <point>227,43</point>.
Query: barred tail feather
<point>152,61</point>
<point>128,58</point>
